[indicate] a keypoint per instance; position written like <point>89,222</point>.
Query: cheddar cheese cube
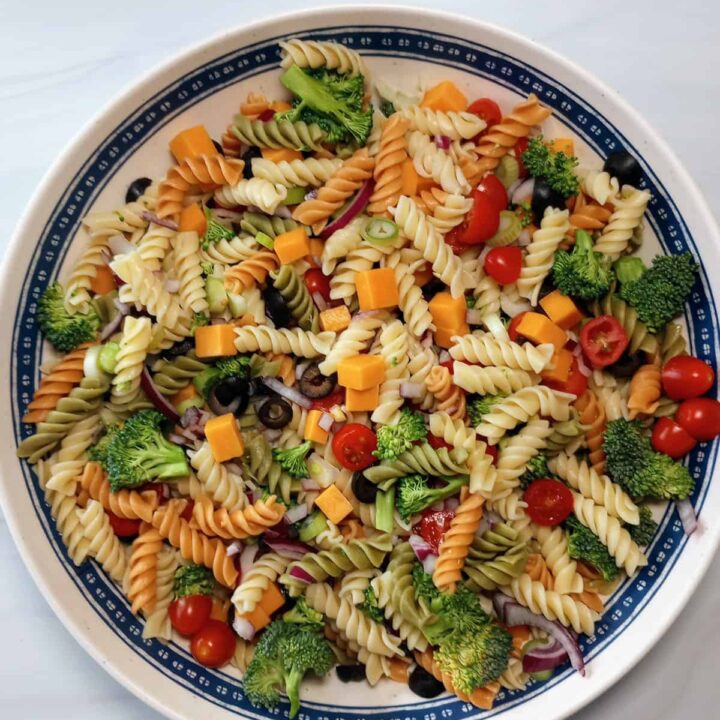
<point>448,311</point>
<point>361,372</point>
<point>377,289</point>
<point>444,336</point>
<point>335,319</point>
<point>409,178</point>
<point>559,368</point>
<point>561,310</point>
<point>272,599</point>
<point>316,247</point>
<point>362,400</point>
<point>445,97</point>
<point>191,143</point>
<point>540,329</point>
<point>215,341</point>
<point>277,155</point>
<point>313,431</point>
<point>103,281</point>
<point>292,245</point>
<point>258,618</point>
<point>224,437</point>
<point>192,219</point>
<point>333,504</point>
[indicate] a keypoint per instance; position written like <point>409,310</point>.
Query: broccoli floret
<point>285,653</point>
<point>470,301</point>
<point>478,406</point>
<point>193,580</point>
<point>556,168</point>
<point>584,545</point>
<point>208,268</point>
<point>199,320</point>
<point>524,211</point>
<point>392,440</point>
<point>424,586</point>
<point>205,381</point>
<point>138,453</point>
<point>643,532</point>
<point>292,460</point>
<point>387,108</point>
<point>582,273</point>
<point>459,612</point>
<point>660,292</point>
<point>331,100</point>
<point>628,269</point>
<point>63,330</point>
<point>640,470</point>
<point>535,469</point>
<point>215,231</point>
<point>370,606</point>
<point>301,614</point>
<point>98,452</point>
<point>414,494</point>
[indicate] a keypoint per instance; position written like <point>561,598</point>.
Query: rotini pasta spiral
<point>154,245</point>
<point>230,252</point>
<point>483,474</point>
<point>264,571</point>
<point>483,348</point>
<point>103,544</point>
<point>255,191</point>
<point>554,549</point>
<point>491,380</point>
<point>157,623</point>
<point>491,574</point>
<point>430,161</point>
<point>71,457</point>
<point>297,297</point>
<point>645,390</point>
<point>341,243</point>
<point>171,376</point>
<point>448,397</point>
<point>388,165</point>
<point>255,222</point>
<point>538,571</point>
<point>672,342</point>
<point>244,653</point>
<point>252,520</point>
<point>514,678</point>
<point>422,459</point>
<point>628,211</point>
<point>600,186</point>
<point>264,470</point>
<point>130,358</point>
<point>306,172</point>
<point>188,271</point>
<point>592,414</point>
<point>394,350</point>
<point>316,54</point>
<point>586,215</point>
<point>351,341</point>
<point>450,213</point>
<point>142,570</point>
<point>455,125</point>
<point>453,431</point>
<point>247,273</point>
<point>415,309</point>
<point>223,486</point>
<point>278,133</point>
<point>296,341</point>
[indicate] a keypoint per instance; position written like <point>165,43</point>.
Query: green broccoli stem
<point>384,510</point>
<point>292,689</point>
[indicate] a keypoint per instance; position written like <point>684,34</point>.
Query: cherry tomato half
<point>603,340</point>
<point>123,527</point>
<point>214,644</point>
<point>700,417</point>
<point>549,502</point>
<point>512,328</point>
<point>495,190</point>
<point>190,613</point>
<point>685,377</point>
<point>336,397</point>
<point>487,109</point>
<point>672,439</point>
<point>433,525</point>
<point>576,384</point>
<point>437,442</point>
<point>481,224</point>
<point>353,445</point>
<point>317,282</point>
<point>504,264</point>
<point>520,147</point>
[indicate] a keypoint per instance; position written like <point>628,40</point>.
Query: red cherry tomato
<point>520,147</point>
<point>487,109</point>
<point>214,644</point>
<point>186,514</point>
<point>504,264</point>
<point>452,238</point>
<point>317,282</point>
<point>336,397</point>
<point>266,115</point>
<point>438,442</point>
<point>672,439</point>
<point>603,340</point>
<point>482,221</point>
<point>353,445</point>
<point>123,527</point>
<point>685,377</point>
<point>449,364</point>
<point>190,613</point>
<point>495,190</point>
<point>700,417</point>
<point>512,328</point>
<point>492,451</point>
<point>576,384</point>
<point>549,502</point>
<point>433,525</point>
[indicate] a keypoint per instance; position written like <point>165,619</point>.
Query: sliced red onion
<point>309,484</point>
<point>227,214</point>
<point>326,422</point>
<point>283,211</point>
<point>272,434</point>
<point>420,547</point>
<point>492,517</point>
<point>543,658</point>
<point>266,115</point>
<point>299,574</point>
<point>473,316</point>
<point>194,416</point>
<point>354,208</point>
<point>172,285</point>
<point>291,549</point>
<point>160,402</point>
<point>317,260</point>
<point>337,425</point>
<point>451,504</point>
<point>112,327</point>
<point>515,186</point>
<point>687,515</point>
<point>582,365</point>
<point>218,408</point>
<point>288,393</point>
<point>411,390</point>
<point>247,558</point>
<point>123,308</point>
<point>234,548</point>
<point>244,628</point>
<point>320,301</point>
<point>296,514</point>
<point>367,314</point>
<point>163,222</point>
<point>483,527</point>
<point>301,367</point>
<point>524,238</point>
<point>523,191</point>
<point>178,439</point>
<point>443,142</point>
<point>119,245</point>
<point>311,194</point>
<point>321,472</point>
<point>427,340</point>
<point>429,564</point>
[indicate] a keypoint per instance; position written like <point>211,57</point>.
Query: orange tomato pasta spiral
<point>449,398</point>
<point>592,413</point>
<point>252,520</point>
<point>128,504</point>
<point>345,181</point>
<point>483,697</point>
<point>502,137</point>
<point>142,575</point>
<point>645,391</point>
<point>56,385</point>
<point>456,543</point>
<point>255,104</point>
<point>429,200</point>
<point>388,165</point>
<point>202,170</point>
<point>351,529</point>
<point>249,272</point>
<point>538,570</point>
<point>591,599</point>
<point>587,214</point>
<point>194,545</point>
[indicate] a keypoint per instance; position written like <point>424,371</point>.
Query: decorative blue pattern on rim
<point>174,662</point>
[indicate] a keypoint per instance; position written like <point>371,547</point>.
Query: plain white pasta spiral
<point>301,172</point>
<point>483,474</point>
<point>430,161</point>
<point>130,358</point>
<point>264,571</point>
<point>394,350</point>
<point>415,309</point>
<point>153,246</point>
<point>296,341</point>
<point>230,252</point>
<point>455,125</point>
<point>445,264</point>
<point>540,253</point>
<point>554,548</point>
<point>454,432</point>
<point>361,258</point>
<point>224,487</point>
<point>351,341</point>
<point>611,533</point>
<point>628,211</point>
<point>354,584</point>
<point>514,677</point>
<point>383,587</point>
<point>188,271</point>
<point>600,186</point>
<point>450,213</point>
<point>483,348</point>
<point>491,380</point>
<point>316,54</point>
<point>157,623</point>
<point>261,193</point>
<point>70,459</point>
<point>341,243</point>
<point>600,488</point>
<point>487,295</point>
<point>104,545</point>
<point>422,361</point>
<point>511,507</point>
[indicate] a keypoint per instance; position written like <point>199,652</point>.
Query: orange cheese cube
<point>103,282</point>
<point>224,437</point>
<point>219,610</point>
<point>561,310</point>
<point>424,275</point>
<point>245,320</point>
<point>316,248</point>
<point>192,219</point>
<point>333,504</point>
<point>444,336</point>
<point>335,319</point>
<point>361,372</point>
<point>445,97</point>
<point>377,289</point>
<point>272,599</point>
<point>448,311</point>
<point>280,106</point>
<point>312,430</point>
<point>563,145</point>
<point>559,368</point>
<point>540,329</point>
<point>362,400</point>
<point>258,618</point>
<point>192,142</point>
<point>215,341</point>
<point>292,245</point>
<point>278,154</point>
<point>410,178</point>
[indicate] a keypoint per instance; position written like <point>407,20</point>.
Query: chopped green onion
<point>295,195</point>
<point>265,240</point>
<point>508,171</point>
<point>380,231</point>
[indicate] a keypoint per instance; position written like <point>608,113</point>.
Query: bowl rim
<point>152,77</point>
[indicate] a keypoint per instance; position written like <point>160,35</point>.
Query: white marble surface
<point>61,61</point>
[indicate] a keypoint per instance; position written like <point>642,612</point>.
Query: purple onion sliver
<point>163,222</point>
<point>687,516</point>
<point>288,393</point>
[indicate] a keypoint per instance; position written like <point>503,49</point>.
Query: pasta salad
<point>375,385</point>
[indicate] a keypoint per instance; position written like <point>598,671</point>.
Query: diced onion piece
<point>326,422</point>
<point>303,575</point>
<point>91,367</point>
<point>234,548</point>
<point>474,316</point>
<point>411,390</point>
<point>687,515</point>
<point>443,142</point>
<point>321,472</point>
<point>420,547</point>
<point>119,245</point>
<point>247,558</point>
<point>172,285</point>
<point>523,191</point>
<point>320,301</point>
<point>288,393</point>
<point>429,564</point>
<point>297,513</point>
<point>244,628</point>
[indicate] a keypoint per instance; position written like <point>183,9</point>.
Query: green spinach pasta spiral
<point>422,459</point>
<point>278,134</point>
<point>296,296</point>
<point>171,376</point>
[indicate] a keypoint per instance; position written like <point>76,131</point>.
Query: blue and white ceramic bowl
<point>205,85</point>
